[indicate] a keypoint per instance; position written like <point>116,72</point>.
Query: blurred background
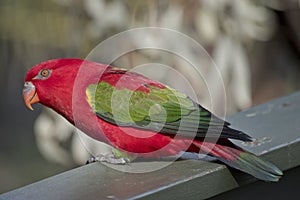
<point>255,44</point>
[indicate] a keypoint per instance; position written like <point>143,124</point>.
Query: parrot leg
<point>116,157</point>
<point>109,158</point>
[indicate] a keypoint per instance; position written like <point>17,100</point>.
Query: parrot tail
<point>241,160</point>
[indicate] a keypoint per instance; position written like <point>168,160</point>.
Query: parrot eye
<point>44,73</point>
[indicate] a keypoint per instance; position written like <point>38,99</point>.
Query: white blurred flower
<point>231,25</point>
<point>105,15</point>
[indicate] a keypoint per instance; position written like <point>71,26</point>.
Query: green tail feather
<point>244,161</point>
<point>251,164</point>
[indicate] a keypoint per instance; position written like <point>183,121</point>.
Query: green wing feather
<point>164,110</point>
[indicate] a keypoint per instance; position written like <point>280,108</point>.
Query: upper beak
<point>29,94</point>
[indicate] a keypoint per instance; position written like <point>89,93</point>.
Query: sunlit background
<point>255,44</point>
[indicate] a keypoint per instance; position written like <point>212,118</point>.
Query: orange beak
<point>29,94</point>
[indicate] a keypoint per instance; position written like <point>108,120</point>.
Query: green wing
<point>163,110</point>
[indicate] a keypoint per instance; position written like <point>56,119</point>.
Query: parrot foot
<point>109,158</point>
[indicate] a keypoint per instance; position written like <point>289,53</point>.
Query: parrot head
<point>51,83</point>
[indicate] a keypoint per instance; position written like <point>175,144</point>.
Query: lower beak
<point>29,95</point>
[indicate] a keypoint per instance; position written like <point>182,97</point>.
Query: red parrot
<point>137,115</point>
